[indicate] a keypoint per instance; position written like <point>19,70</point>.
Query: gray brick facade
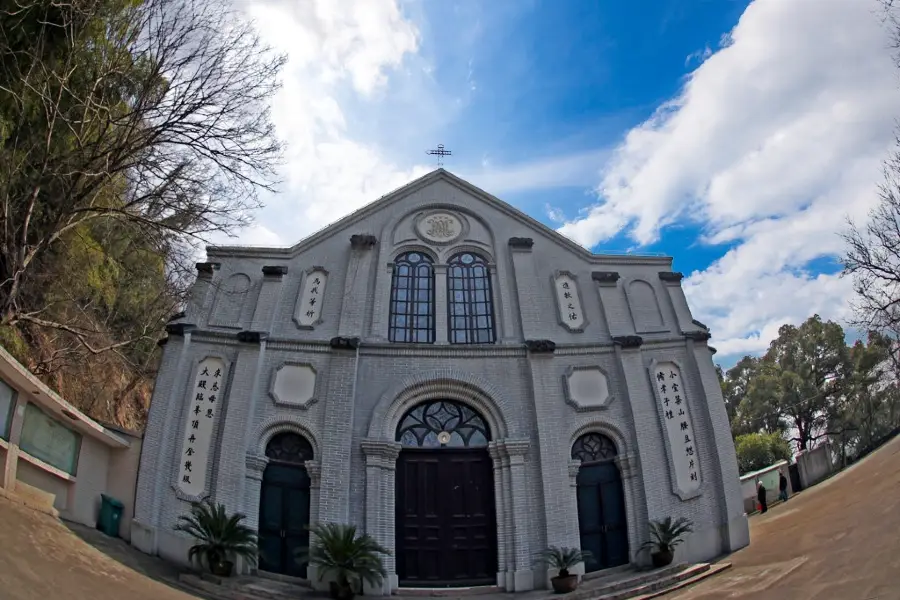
<point>364,384</point>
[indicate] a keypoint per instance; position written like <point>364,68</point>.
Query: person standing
<point>782,487</point>
<point>761,497</point>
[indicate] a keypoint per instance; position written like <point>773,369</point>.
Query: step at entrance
<point>244,588</point>
<point>633,583</point>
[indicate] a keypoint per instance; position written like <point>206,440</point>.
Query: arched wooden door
<point>445,518</point>
<point>284,505</point>
<point>602,521</point>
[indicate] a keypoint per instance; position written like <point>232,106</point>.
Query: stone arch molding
<point>448,384</point>
<point>275,425</point>
<point>607,429</point>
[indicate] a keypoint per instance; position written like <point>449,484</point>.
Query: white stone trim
<point>272,426</point>
<point>632,483</point>
<point>449,383</point>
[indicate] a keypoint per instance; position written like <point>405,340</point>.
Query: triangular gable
<point>434,176</point>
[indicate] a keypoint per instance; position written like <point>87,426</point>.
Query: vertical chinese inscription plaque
<point>678,426</point>
<point>203,402</point>
<point>309,304</point>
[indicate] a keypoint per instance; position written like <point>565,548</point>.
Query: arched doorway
<point>445,518</point>
<point>602,521</point>
<point>284,504</point>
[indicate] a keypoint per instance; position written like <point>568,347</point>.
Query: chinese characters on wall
<point>679,427</point>
<point>568,301</point>
<point>309,305</point>
<point>204,402</point>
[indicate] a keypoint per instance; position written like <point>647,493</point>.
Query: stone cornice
<point>712,350</point>
<point>671,276</point>
<point>605,277</point>
<point>344,343</point>
<point>510,449</point>
<point>256,462</point>
<point>207,267</point>
<point>628,341</point>
<point>176,316</point>
<point>381,453</point>
<point>362,241</point>
<point>698,336</point>
<point>540,346</point>
<point>251,337</point>
<point>574,467</point>
<point>314,470</point>
<point>180,328</point>
<point>521,243</point>
<point>628,465</point>
<point>274,271</point>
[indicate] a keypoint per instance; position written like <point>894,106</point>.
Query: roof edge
<point>403,191</point>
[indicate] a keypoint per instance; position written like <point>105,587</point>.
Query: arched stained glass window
<point>412,299</point>
<point>594,447</point>
<point>470,305</point>
<point>289,447</point>
<point>443,423</point>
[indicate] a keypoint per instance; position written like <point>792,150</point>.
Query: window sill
<point>46,466</point>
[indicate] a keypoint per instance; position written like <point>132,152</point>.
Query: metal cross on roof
<point>440,153</point>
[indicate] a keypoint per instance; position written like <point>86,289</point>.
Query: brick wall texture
<point>361,393</point>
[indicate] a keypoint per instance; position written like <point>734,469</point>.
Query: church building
<point>454,378</point>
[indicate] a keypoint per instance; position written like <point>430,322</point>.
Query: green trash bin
<point>110,515</point>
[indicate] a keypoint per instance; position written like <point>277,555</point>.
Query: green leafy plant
<point>218,534</point>
<point>351,557</point>
<point>564,558</point>
<point>668,533</point>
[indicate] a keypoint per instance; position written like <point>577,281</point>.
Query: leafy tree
<point>129,130</point>
<point>149,114</point>
<point>734,389</point>
<point>799,379</point>
<point>757,451</point>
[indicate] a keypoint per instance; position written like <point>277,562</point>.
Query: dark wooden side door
<point>601,515</point>
<point>283,517</point>
<point>446,529</point>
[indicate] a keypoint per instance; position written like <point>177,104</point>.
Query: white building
<point>451,376</point>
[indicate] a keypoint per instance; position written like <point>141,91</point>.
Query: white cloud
<point>773,141</point>
<point>347,59</point>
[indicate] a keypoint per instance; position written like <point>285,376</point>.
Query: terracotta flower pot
<point>662,558</point>
<point>564,584</point>
<point>222,568</point>
<point>340,592</point>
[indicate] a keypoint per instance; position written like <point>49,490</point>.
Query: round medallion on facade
<point>440,227</point>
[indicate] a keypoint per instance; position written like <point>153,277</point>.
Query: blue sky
<point>734,135</point>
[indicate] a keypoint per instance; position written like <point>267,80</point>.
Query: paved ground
<point>43,559</point>
<point>837,541</point>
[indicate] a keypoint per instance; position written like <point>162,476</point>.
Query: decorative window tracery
<point>594,447</point>
<point>443,423</point>
<point>412,299</point>
<point>470,304</point>
<point>289,447</point>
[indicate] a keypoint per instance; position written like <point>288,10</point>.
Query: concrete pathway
<point>837,541</point>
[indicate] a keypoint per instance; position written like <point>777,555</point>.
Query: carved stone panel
<point>294,385</point>
<point>204,401</point>
<point>308,311</point>
<point>568,301</point>
<point>587,388</point>
<point>678,428</point>
<point>439,227</point>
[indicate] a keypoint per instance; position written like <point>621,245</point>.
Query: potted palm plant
<point>219,536</point>
<point>564,559</point>
<point>350,557</point>
<point>665,535</point>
